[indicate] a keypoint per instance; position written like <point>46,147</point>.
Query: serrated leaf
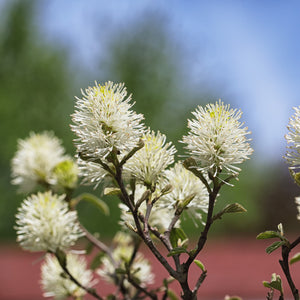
<point>200,265</point>
<point>176,235</point>
<point>269,234</point>
<point>295,258</point>
<point>274,246</point>
<point>172,295</point>
<point>176,251</point>
<point>97,260</point>
<point>101,205</point>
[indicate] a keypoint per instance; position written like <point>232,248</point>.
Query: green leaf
<point>269,235</point>
<point>178,238</point>
<point>234,208</point>
<point>89,248</point>
<point>95,201</point>
<point>172,295</point>
<point>112,191</point>
<point>295,258</point>
<point>230,208</point>
<point>233,298</point>
<point>61,257</point>
<point>200,265</point>
<point>274,246</point>
<point>120,271</point>
<point>275,283</point>
<point>176,251</point>
<point>97,260</point>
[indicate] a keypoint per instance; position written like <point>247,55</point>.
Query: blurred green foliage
<point>37,87</point>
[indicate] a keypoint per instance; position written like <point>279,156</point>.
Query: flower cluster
<point>104,122</point>
<point>44,223</point>
<point>121,256</point>
<point>297,201</point>
<point>113,144</point>
<point>148,164</point>
<point>293,139</point>
<point>35,160</point>
<point>217,140</point>
<point>56,284</point>
<point>186,188</point>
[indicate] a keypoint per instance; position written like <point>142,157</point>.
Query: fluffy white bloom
<point>148,164</point>
<point>217,140</point>
<point>160,217</point>
<point>44,223</point>
<point>104,122</point>
<point>122,252</point>
<point>293,139</point>
<point>55,282</point>
<point>35,159</point>
<point>185,185</point>
<point>297,201</point>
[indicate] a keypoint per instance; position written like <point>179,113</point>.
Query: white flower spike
<point>185,184</point>
<point>148,164</point>
<point>293,139</point>
<point>103,122</point>
<point>35,160</point>
<point>44,223</point>
<point>217,140</point>
<point>57,285</point>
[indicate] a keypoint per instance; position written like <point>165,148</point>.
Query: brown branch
<point>72,278</point>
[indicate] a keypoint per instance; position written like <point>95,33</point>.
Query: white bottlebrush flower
<point>297,201</point>
<point>217,140</point>
<point>148,164</point>
<point>103,121</point>
<point>56,283</point>
<point>121,254</point>
<point>44,223</point>
<point>35,159</point>
<point>160,217</point>
<point>293,139</point>
<point>185,185</point>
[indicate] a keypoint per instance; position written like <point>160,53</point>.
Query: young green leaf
<point>200,265</point>
<point>112,191</point>
<point>295,258</point>
<point>177,235</point>
<point>172,295</point>
<point>61,257</point>
<point>230,208</point>
<point>95,201</point>
<point>275,283</point>
<point>269,235</point>
<point>176,251</point>
<point>97,260</point>
<point>274,246</point>
<point>234,208</point>
<point>232,298</point>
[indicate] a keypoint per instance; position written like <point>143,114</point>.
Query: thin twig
<point>72,278</point>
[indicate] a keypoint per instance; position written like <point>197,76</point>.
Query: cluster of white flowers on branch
<point>137,165</point>
<point>292,158</point>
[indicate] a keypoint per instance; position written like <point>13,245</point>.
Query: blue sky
<point>250,47</point>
